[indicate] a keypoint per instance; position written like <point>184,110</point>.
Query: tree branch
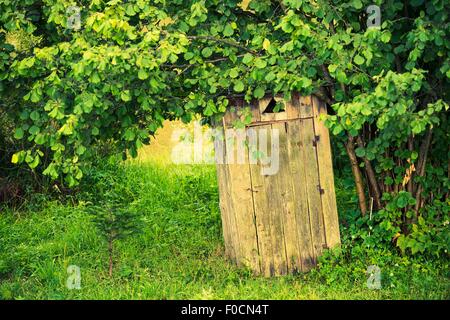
<point>371,176</point>
<point>356,174</point>
<point>423,154</point>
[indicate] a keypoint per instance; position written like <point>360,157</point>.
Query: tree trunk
<point>421,163</point>
<point>409,186</point>
<point>371,177</point>
<point>356,174</point>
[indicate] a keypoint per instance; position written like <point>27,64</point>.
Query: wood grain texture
<point>326,177</point>
<point>285,201</point>
<point>300,195</point>
<point>261,201</point>
<point>309,161</point>
<point>273,192</point>
<point>279,222</point>
<point>227,208</point>
<point>241,196</point>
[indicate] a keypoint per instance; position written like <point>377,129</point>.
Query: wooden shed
<point>277,222</point>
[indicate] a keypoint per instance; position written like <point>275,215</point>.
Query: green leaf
<point>416,3</point>
<point>51,171</point>
<point>417,126</point>
<point>18,134</point>
<point>125,95</point>
<point>332,68</point>
<point>360,152</point>
<point>81,150</point>
<point>133,152</point>
<point>210,108</point>
<point>239,86</point>
<point>260,63</point>
<point>402,202</point>
<point>129,135</point>
<point>228,30</point>
<point>266,44</point>
<point>207,52</point>
<point>66,129</point>
<point>259,92</point>
<point>287,27</point>
<point>15,158</point>
<point>247,59</point>
<point>359,60</point>
<point>142,74</point>
<point>39,139</point>
<point>386,37</point>
<point>34,116</point>
<point>24,115</point>
<point>279,106</point>
<point>270,76</point>
<point>366,110</point>
<point>234,73</point>
<point>95,131</point>
<point>341,76</point>
<point>357,4</point>
<point>33,164</point>
<point>35,96</point>
<point>189,55</point>
<point>130,10</point>
<point>311,72</point>
<point>95,78</point>
<point>87,106</point>
<point>337,129</point>
<point>34,130</point>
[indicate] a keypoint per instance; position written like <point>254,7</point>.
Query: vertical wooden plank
<point>232,224</point>
<point>239,181</point>
<point>298,185</point>
<point>326,178</point>
<point>241,197</point>
<point>224,194</point>
<point>300,195</point>
<point>262,213</point>
<point>309,157</point>
<point>224,201</point>
<point>285,202</point>
<point>273,192</point>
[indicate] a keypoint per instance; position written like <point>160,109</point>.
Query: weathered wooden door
<point>277,217</point>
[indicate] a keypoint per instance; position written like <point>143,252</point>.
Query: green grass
<point>180,252</point>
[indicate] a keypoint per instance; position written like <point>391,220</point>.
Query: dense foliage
<point>129,65</point>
